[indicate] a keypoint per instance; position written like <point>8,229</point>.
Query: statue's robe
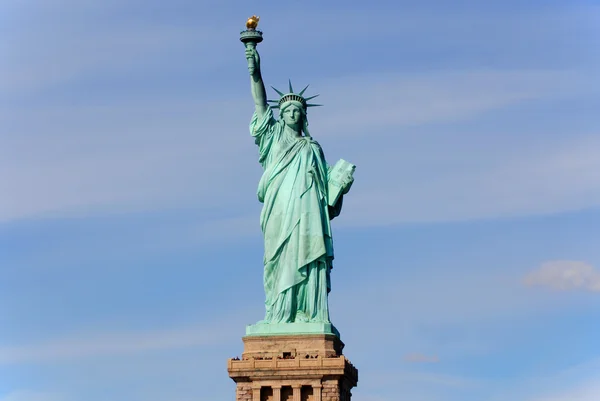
<point>295,222</point>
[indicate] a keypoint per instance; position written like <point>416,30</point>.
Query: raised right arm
<point>257,85</point>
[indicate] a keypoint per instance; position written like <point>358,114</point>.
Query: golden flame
<point>252,22</point>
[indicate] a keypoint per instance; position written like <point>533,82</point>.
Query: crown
<point>291,96</point>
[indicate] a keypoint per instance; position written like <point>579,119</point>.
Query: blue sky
<point>468,251</point>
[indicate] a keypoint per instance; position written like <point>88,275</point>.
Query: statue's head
<point>293,114</point>
<point>292,108</point>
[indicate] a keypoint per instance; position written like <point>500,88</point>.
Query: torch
<point>250,37</point>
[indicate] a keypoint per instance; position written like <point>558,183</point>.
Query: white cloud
<point>565,275</point>
<point>476,308</point>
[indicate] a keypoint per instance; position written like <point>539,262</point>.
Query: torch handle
<point>251,62</point>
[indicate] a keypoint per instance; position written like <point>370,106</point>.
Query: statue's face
<point>292,116</point>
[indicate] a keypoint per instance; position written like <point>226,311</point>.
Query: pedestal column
<point>276,393</point>
<point>297,392</point>
<point>317,392</point>
<point>256,393</point>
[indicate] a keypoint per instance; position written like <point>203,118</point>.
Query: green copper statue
<point>301,194</point>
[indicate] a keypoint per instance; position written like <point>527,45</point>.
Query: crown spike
<point>302,91</point>
<point>278,91</point>
<point>310,97</point>
<point>290,83</point>
<point>313,105</point>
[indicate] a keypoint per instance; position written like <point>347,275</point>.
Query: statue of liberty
<point>299,199</point>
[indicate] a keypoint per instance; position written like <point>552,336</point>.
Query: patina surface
<point>301,194</point>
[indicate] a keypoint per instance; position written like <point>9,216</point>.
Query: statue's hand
<point>347,185</point>
<point>253,61</point>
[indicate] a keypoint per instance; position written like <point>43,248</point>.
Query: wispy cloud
<point>474,308</point>
<point>565,275</point>
<point>27,395</point>
<point>579,382</point>
<point>123,163</point>
<point>76,148</point>
<point>390,102</point>
<point>115,343</point>
<point>421,358</point>
<point>381,378</point>
<point>81,42</point>
<point>135,107</point>
<point>536,179</point>
<point>586,391</point>
<point>174,157</point>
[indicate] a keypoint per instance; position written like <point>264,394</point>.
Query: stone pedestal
<point>304,367</point>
